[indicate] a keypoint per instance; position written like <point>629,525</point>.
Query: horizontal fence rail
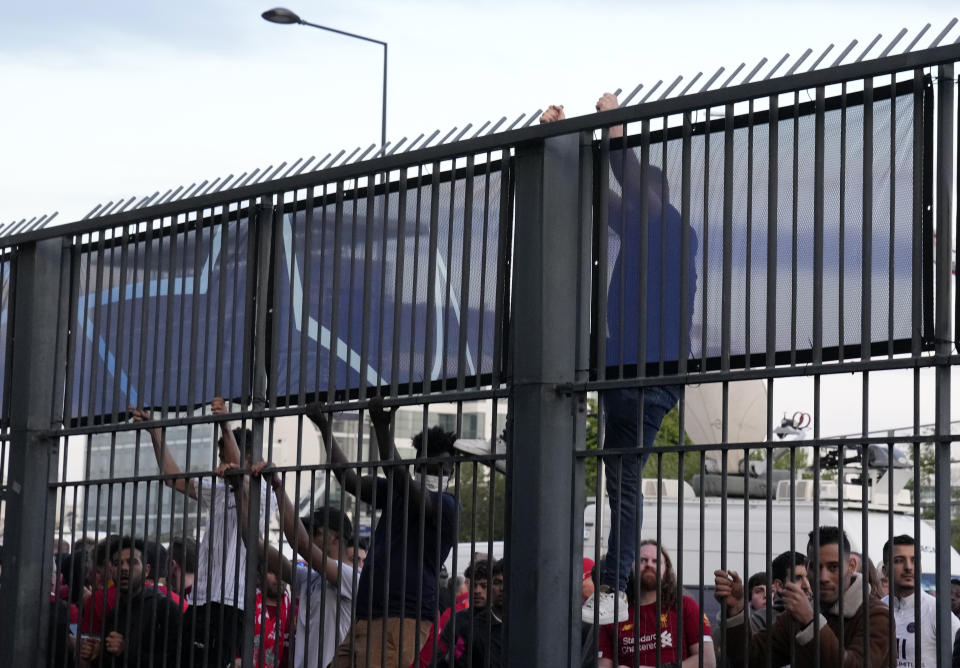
<point>432,408</point>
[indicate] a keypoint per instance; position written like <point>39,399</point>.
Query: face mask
<point>435,483</point>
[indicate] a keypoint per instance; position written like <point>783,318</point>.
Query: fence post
<point>30,501</point>
<point>943,330</point>
<point>545,284</point>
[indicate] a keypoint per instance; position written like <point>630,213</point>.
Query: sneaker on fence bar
<point>605,600</point>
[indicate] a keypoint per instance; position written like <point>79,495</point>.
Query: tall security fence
<point>511,318</point>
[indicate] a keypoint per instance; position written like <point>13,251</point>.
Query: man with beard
<point>144,625</point>
<point>903,569</point>
<point>842,625</point>
<point>787,567</point>
<point>669,640</point>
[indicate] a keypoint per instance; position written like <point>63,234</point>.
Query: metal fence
<point>516,289</point>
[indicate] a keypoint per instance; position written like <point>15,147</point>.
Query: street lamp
<point>284,16</point>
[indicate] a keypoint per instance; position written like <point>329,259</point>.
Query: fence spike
<point>263,173</point>
<point>806,54</point>
<point>224,183</point>
<point>651,91</point>
<point>913,42</point>
<point>514,124</point>
<point>819,60</point>
<point>396,147</point>
<point>211,186</point>
<point>15,229</point>
<point>277,170</point>
<point>482,128</point>
<point>753,72</point>
<point>128,203</point>
<point>711,80</point>
<point>733,76</point>
<point>447,136</point>
<point>943,33</point>
<point>496,125</point>
<point>192,190</point>
<point>869,46</point>
<point>114,208</point>
<point>463,132</point>
<point>845,52</point>
<point>52,216</point>
<point>886,52</point>
<point>253,175</point>
<point>692,81</point>
<point>364,154</point>
<point>92,211</point>
<point>332,162</point>
<point>319,164</point>
<point>346,161</point>
<point>292,167</point>
<point>171,195</point>
<point>671,87</point>
<point>777,66</point>
<point>632,95</point>
<point>36,225</point>
<point>534,116</point>
<point>146,200</point>
<point>306,164</point>
<point>103,211</point>
<point>187,192</point>
<point>430,138</point>
<point>414,142</point>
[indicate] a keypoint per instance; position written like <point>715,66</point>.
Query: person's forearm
<point>293,529</point>
<point>231,449</point>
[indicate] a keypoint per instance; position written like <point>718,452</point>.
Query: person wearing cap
<point>325,584</point>
<point>398,591</point>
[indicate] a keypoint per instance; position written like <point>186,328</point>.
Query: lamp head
<point>280,15</point>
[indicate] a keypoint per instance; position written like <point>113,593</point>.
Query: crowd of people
<point>126,602</point>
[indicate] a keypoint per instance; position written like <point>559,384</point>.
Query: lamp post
<point>284,16</point>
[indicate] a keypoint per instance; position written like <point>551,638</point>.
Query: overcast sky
<point>104,99</point>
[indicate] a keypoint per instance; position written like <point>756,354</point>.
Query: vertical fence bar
<point>544,343</point>
<point>30,501</point>
<point>944,220</point>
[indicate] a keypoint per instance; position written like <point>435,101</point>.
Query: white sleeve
<point>205,493</point>
<point>346,580</point>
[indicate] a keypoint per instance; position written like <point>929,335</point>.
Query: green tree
<point>477,481</point>
<point>669,434</point>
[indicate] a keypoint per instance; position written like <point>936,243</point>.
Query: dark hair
<point>829,536</point>
<point>780,567</point>
<point>668,580</point>
<point>85,544</point>
<point>184,552</point>
<point>332,518</point>
<point>439,442</point>
<point>497,569</point>
<point>955,581</point>
<point>73,570</point>
<point>756,580</point>
<point>104,550</point>
<point>902,539</point>
<point>479,570</point>
<point>155,556</point>
<point>129,543</point>
<point>363,543</point>
<point>244,439</point>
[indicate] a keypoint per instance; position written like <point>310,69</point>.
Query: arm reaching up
<point>360,487</point>
<point>168,465</point>
<point>295,532</point>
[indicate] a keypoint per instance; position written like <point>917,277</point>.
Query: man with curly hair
<point>397,596</point>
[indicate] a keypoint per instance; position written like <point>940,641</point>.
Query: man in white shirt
<point>213,625</point>
<point>324,586</point>
<point>902,569</point>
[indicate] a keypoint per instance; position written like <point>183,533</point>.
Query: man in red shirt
<point>643,633</point>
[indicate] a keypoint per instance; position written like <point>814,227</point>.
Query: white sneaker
<point>606,600</point>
